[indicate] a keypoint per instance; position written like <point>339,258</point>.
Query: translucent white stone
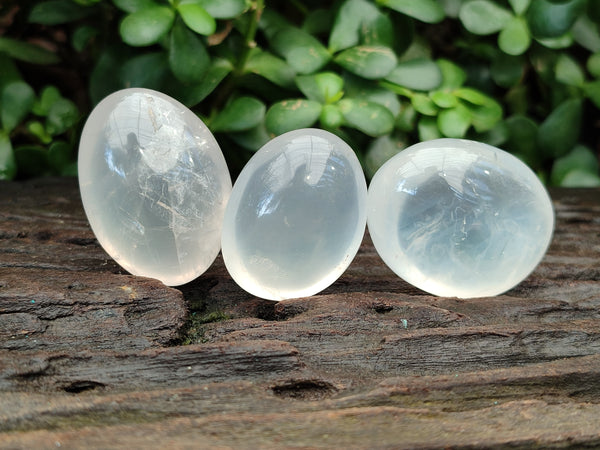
<point>154,185</point>
<point>296,216</point>
<point>459,218</point>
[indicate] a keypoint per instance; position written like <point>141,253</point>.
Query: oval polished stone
<point>459,218</point>
<point>154,185</point>
<point>296,216</point>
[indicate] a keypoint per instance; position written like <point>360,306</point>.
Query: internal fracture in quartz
<point>296,216</point>
<point>459,218</point>
<point>154,185</point>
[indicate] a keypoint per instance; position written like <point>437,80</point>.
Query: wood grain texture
<point>91,357</point>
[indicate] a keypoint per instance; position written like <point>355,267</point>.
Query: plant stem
<point>259,5</point>
<point>240,66</point>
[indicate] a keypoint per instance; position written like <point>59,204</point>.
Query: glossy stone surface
<point>154,185</point>
<point>459,218</point>
<point>296,216</point>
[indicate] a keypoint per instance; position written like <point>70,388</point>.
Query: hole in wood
<point>81,386</point>
<point>304,389</point>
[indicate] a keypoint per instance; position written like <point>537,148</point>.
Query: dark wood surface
<point>91,357</point>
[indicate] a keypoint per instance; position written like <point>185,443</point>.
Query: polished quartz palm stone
<point>296,216</point>
<point>154,185</point>
<point>459,218</point>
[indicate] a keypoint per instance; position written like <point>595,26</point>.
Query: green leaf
<point>271,22</point>
<point>429,11</point>
<point>417,74</point>
<point>8,166</point>
<point>453,76</point>
<point>522,132</point>
<point>580,158</point>
<point>451,7</point>
<point>454,122</point>
<point>360,22</point>
<point>472,96</point>
<point>8,70</point>
<point>146,26</point>
<point>519,6</point>
<point>15,103</point>
<point>325,87</point>
<point>369,117</point>
<point>367,61</point>
<point>224,9</point>
<point>188,57</point>
<point>147,70</point>
<point>593,65</point>
<point>428,129</point>
<point>592,91</point>
<point>377,29</point>
<point>318,21</point>
<point>564,41</point>
<point>37,129</point>
<point>485,117</point>
<point>580,179</point>
<point>56,12</point>
<point>24,51</point>
<point>63,114</point>
<point>240,114</point>
<point>507,70</point>
<point>497,136</point>
<point>252,139</point>
<point>568,71</point>
<point>331,117</point>
<point>48,96</point>
<point>290,115</point>
<point>444,99</point>
<point>131,6</point>
<point>82,36</point>
<point>196,17</point>
<point>485,111</point>
<point>60,156</point>
<point>424,105</point>
<point>346,28</point>
<point>357,87</point>
<point>548,19</point>
<point>381,150</point>
<point>406,117</point>
<point>104,79</point>
<point>191,95</point>
<point>586,33</point>
<point>484,17</point>
<point>514,39</point>
<point>303,52</point>
<point>270,67</point>
<point>560,131</point>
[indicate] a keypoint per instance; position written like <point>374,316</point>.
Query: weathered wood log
<point>93,357</point>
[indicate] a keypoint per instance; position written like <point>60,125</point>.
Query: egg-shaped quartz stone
<point>154,185</point>
<point>459,218</point>
<point>296,216</point>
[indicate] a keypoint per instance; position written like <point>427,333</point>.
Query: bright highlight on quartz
<point>459,218</point>
<point>154,185</point>
<point>296,216</point>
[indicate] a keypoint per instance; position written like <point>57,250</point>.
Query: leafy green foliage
<point>523,75</point>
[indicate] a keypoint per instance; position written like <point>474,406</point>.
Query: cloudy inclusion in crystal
<point>154,185</point>
<point>296,216</point>
<point>459,218</point>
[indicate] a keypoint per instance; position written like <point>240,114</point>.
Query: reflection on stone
<point>459,218</point>
<point>154,185</point>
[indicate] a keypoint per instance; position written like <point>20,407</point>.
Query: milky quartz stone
<point>296,216</point>
<point>154,185</point>
<point>459,218</point>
